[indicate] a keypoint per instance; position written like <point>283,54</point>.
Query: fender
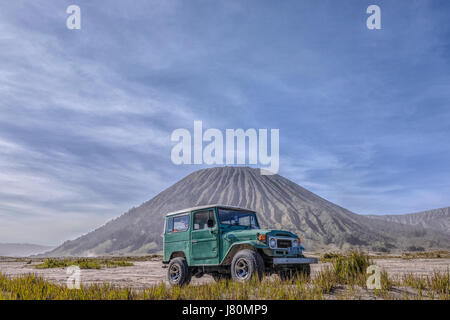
<point>247,244</point>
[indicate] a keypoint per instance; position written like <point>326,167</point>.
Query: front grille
<point>283,243</point>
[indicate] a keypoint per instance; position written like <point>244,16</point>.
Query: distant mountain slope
<point>22,249</point>
<point>280,203</point>
<point>438,219</point>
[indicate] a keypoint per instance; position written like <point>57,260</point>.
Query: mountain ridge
<point>22,249</point>
<point>438,219</point>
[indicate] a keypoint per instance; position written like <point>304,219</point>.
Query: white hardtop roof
<point>208,206</point>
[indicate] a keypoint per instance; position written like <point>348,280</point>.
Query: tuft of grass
<point>436,285</point>
<point>351,269</point>
<point>439,283</point>
<point>325,280</point>
<point>386,282</point>
<point>386,285</point>
<point>413,281</point>
<point>329,256</point>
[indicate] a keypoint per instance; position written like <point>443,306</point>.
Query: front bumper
<point>281,261</point>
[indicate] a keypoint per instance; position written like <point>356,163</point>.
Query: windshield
<point>229,218</point>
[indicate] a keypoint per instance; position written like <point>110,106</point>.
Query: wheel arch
<point>177,254</point>
<point>235,248</point>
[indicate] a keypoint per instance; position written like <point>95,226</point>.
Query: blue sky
<point>86,115</point>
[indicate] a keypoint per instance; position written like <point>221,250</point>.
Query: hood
<point>251,234</point>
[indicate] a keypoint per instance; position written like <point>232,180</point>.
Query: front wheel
<point>247,264</point>
<point>178,272</point>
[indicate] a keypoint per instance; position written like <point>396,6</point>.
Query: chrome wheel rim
<point>241,269</point>
<point>174,273</point>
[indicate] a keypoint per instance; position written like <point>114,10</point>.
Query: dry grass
<point>32,287</point>
<point>438,254</point>
<point>436,286</point>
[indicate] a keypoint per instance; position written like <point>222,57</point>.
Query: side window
<point>169,225</point>
<point>201,219</point>
<point>178,224</point>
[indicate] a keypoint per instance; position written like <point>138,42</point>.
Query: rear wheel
<point>178,272</point>
<point>247,264</point>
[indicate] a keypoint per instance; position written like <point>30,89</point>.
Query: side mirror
<point>210,223</point>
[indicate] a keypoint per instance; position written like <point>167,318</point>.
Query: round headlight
<point>295,243</point>
<point>272,243</point>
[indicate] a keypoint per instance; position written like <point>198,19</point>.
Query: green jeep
<point>227,242</point>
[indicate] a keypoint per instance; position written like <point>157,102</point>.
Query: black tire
<point>246,265</point>
<point>220,276</point>
<point>302,271</point>
<point>178,272</point>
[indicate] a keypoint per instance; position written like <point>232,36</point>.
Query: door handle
<point>194,241</point>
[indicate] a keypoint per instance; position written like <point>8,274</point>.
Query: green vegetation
<point>437,284</point>
<point>115,264</point>
<point>426,255</point>
<point>35,288</point>
<point>329,256</point>
<point>348,269</point>
<point>324,286</point>
<point>438,254</point>
<point>83,263</point>
<point>351,268</point>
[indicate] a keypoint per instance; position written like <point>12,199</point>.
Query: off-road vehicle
<point>227,242</point>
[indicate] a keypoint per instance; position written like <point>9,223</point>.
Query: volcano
<point>280,204</point>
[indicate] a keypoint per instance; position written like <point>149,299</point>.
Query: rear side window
<point>201,219</point>
<point>178,223</point>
